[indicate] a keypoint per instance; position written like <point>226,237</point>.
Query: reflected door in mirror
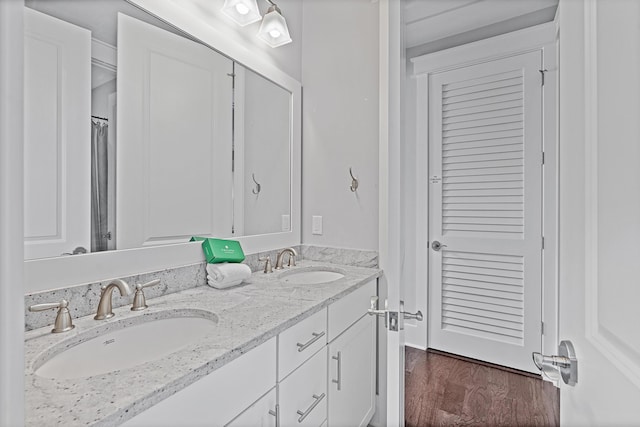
<point>174,138</point>
<point>57,100</point>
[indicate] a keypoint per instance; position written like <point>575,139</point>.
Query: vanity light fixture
<point>243,12</point>
<point>274,30</point>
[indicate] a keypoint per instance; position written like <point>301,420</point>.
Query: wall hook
<point>258,186</point>
<point>354,181</point>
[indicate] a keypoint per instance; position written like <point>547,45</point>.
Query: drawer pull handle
<point>339,380</point>
<point>316,337</point>
<point>304,414</point>
<point>276,414</point>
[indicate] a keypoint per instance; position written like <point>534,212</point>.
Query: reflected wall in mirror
<point>262,132</point>
<point>132,138</point>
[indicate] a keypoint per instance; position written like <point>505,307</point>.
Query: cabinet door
<point>263,413</point>
<point>352,361</point>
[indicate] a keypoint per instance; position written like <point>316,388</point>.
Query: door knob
<point>565,362</point>
<point>436,246</point>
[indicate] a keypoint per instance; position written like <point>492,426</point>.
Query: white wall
<point>100,98</point>
<point>340,122</point>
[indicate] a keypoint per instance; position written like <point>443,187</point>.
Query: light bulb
<point>243,12</point>
<point>273,29</point>
<point>242,9</point>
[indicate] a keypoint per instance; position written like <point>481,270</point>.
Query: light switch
<point>316,225</point>
<point>286,222</point>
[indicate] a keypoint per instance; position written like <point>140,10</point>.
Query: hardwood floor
<point>441,390</point>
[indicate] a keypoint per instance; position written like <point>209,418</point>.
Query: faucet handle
<point>139,300</point>
<point>267,266</point>
<point>63,321</point>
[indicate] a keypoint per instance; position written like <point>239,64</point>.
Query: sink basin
<point>127,347</point>
<point>311,275</point>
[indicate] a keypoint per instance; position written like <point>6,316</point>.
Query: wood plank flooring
<point>441,390</point>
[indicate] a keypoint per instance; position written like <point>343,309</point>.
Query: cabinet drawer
<point>303,394</point>
<point>346,311</point>
<point>300,342</point>
<point>220,396</point>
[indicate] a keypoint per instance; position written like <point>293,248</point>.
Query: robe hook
<point>258,186</point>
<point>354,181</point>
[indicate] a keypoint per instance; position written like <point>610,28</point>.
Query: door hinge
<point>541,328</point>
<point>542,242</point>
<point>542,73</point>
<point>543,157</point>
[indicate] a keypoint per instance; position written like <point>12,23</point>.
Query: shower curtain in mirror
<point>99,164</point>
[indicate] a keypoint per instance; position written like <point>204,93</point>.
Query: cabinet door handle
<point>276,414</point>
<point>316,337</point>
<point>338,358</point>
<point>304,414</point>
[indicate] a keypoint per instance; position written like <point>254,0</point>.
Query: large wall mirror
<point>138,134</point>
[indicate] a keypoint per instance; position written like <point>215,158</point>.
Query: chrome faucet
<point>105,309</point>
<point>292,258</point>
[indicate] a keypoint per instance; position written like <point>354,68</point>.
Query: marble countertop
<point>248,315</point>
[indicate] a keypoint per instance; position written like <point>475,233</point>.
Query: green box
<point>218,250</point>
<point>197,239</point>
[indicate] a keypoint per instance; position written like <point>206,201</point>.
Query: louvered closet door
<point>486,207</point>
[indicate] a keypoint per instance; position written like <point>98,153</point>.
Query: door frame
<point>544,38</point>
<point>11,217</point>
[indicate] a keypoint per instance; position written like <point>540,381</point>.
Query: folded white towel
<point>225,274</point>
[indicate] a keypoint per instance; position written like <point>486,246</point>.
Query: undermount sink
<point>128,346</point>
<point>312,275</point>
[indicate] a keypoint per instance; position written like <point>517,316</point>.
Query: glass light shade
<point>273,29</point>
<point>243,12</point>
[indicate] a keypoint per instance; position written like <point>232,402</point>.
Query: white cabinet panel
<point>303,394</point>
<point>218,397</point>
<point>352,379</point>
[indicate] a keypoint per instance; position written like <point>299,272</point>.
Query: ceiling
<point>432,25</point>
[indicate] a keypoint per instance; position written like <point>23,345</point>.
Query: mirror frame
<point>61,272</point>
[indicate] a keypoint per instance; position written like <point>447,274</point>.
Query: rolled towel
<point>227,274</point>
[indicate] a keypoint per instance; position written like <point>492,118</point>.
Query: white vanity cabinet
<point>318,373</point>
<point>352,360</point>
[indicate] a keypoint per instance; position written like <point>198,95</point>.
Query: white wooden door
<point>485,138</point>
<point>57,136</point>
<point>600,209</point>
<point>174,138</point>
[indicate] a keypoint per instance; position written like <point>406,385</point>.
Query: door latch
<point>565,362</point>
<point>392,319</point>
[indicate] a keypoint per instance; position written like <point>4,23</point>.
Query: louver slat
<point>483,295</point>
<point>483,157</point>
